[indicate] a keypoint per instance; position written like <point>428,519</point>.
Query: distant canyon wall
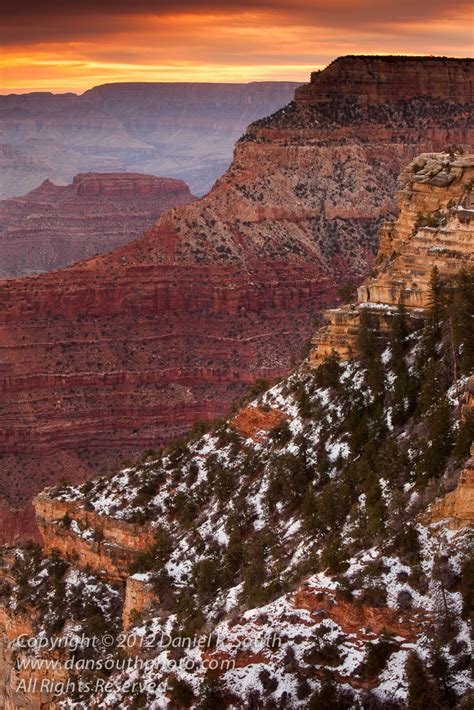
<point>181,130</point>
<point>54,226</point>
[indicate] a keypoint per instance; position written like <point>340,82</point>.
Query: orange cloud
<point>73,48</point>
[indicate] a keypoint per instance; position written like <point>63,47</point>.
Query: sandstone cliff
<point>54,226</point>
<point>433,229</point>
<point>124,351</point>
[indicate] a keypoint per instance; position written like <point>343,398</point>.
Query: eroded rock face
<point>457,507</point>
<point>434,228</point>
<point>376,80</point>
<point>54,225</point>
<point>118,353</point>
<point>105,545</point>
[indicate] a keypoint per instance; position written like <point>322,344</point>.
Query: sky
<point>66,45</point>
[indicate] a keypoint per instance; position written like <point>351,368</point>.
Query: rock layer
<point>434,228</point>
<point>123,351</point>
<point>54,226</point>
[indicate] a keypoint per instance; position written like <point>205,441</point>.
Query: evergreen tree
<point>213,692</point>
<point>440,438</point>
<point>330,697</point>
<point>461,311</point>
<point>369,351</point>
<point>398,335</point>
<point>367,345</point>
<point>436,299</point>
<point>181,693</point>
<point>255,573</point>
<point>432,387</point>
<point>421,690</point>
<point>440,671</point>
<point>329,372</point>
<point>376,511</point>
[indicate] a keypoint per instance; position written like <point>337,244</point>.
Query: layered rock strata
<point>54,225</point>
<point>434,228</point>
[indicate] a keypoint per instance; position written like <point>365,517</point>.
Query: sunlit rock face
<point>434,229</point>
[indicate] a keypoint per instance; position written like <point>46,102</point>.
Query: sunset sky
<point>71,46</point>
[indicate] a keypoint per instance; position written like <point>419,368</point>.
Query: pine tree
<point>461,309</point>
<point>212,692</point>
<point>329,372</point>
<point>369,351</point>
<point>255,572</point>
<point>421,690</point>
<point>399,335</point>
<point>366,339</point>
<point>440,671</point>
<point>432,387</point>
<point>436,298</point>
<point>440,435</point>
<point>376,511</point>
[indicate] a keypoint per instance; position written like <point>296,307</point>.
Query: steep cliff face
<point>433,230</point>
<point>123,351</point>
<point>54,226</point>
<point>97,542</point>
<point>376,80</point>
<point>182,130</point>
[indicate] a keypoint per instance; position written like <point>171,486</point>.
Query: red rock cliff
<point>54,226</point>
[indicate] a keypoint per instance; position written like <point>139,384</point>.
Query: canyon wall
<point>181,130</point>
<point>433,230</point>
<point>123,351</point>
<point>54,226</point>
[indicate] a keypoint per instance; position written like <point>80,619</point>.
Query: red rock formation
<point>254,422</point>
<point>376,80</point>
<point>125,350</point>
<point>54,226</point>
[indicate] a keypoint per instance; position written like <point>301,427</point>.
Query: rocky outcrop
<point>456,509</point>
<point>376,80</point>
<point>122,352</point>
<point>139,598</point>
<point>434,228</point>
<point>105,545</point>
<point>54,225</point>
<point>182,130</point>
<point>255,422</point>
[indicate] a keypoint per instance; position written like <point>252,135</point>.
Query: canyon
<point>308,533</point>
<point>181,130</point>
<point>121,352</point>
<point>54,226</point>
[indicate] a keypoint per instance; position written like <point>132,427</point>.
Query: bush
<point>281,433</point>
<point>181,692</point>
